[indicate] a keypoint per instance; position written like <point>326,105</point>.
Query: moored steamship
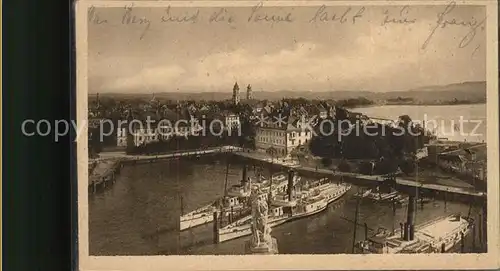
<point>235,199</point>
<point>297,202</point>
<point>436,236</point>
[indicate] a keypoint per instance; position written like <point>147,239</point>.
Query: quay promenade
<point>182,153</point>
<point>361,177</point>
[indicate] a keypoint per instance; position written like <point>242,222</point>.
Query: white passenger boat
<point>235,200</point>
<point>437,236</point>
<point>305,202</point>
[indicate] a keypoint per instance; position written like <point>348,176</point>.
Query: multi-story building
<point>280,140</point>
<point>230,119</point>
<point>172,124</point>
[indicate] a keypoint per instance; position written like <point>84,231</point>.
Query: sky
<point>303,55</point>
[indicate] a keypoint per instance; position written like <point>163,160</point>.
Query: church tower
<point>249,92</point>
<point>236,94</point>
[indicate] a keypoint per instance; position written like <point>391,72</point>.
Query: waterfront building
<point>280,140</point>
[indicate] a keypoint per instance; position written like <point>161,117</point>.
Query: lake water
<point>445,120</point>
<point>139,214</point>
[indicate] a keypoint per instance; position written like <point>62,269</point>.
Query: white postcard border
<point>295,262</point>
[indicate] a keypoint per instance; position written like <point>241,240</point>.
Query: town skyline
<point>298,56</point>
<point>243,86</point>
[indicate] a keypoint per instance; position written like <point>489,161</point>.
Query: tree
<point>326,162</point>
<point>408,163</point>
<point>386,166</point>
<point>344,166</point>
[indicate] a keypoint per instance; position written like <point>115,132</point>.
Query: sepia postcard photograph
<point>283,135</point>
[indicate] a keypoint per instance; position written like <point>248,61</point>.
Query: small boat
<point>379,196</point>
<point>436,236</point>
<point>306,202</point>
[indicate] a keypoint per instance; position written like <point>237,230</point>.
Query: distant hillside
<point>471,91</point>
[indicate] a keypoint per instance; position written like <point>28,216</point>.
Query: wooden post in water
<point>182,205</point>
<point>474,237</point>
<point>480,228</point>
<point>355,224</point>
<point>366,231</point>
<point>405,231</point>
<point>216,228</point>
<point>445,201</point>
<point>393,217</point>
<point>443,248</point>
<point>231,215</point>
<point>485,227</point>
<point>222,215</point>
<point>401,226</point>
<point>462,242</point>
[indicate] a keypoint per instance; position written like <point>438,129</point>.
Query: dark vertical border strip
<point>36,202</point>
<point>73,146</point>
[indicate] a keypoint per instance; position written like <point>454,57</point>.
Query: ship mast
<point>225,182</point>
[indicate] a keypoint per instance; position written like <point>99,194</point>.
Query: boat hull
<point>194,222</point>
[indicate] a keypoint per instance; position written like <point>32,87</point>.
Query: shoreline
<point>413,104</point>
<point>433,104</point>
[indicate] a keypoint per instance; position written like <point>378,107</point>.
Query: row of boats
<point>291,198</point>
<point>288,198</point>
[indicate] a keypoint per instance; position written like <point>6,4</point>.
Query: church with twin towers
<point>236,93</point>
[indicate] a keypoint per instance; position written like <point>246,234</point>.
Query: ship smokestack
<point>410,218</point>
<point>290,184</point>
<point>244,175</point>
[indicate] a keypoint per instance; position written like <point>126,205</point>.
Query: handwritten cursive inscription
<point>94,18</point>
<point>257,15</point>
<point>403,17</point>
<point>168,17</point>
<point>222,15</point>
<point>443,22</point>
<point>129,18</point>
<point>323,15</point>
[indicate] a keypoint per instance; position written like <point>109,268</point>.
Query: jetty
<point>103,173</point>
